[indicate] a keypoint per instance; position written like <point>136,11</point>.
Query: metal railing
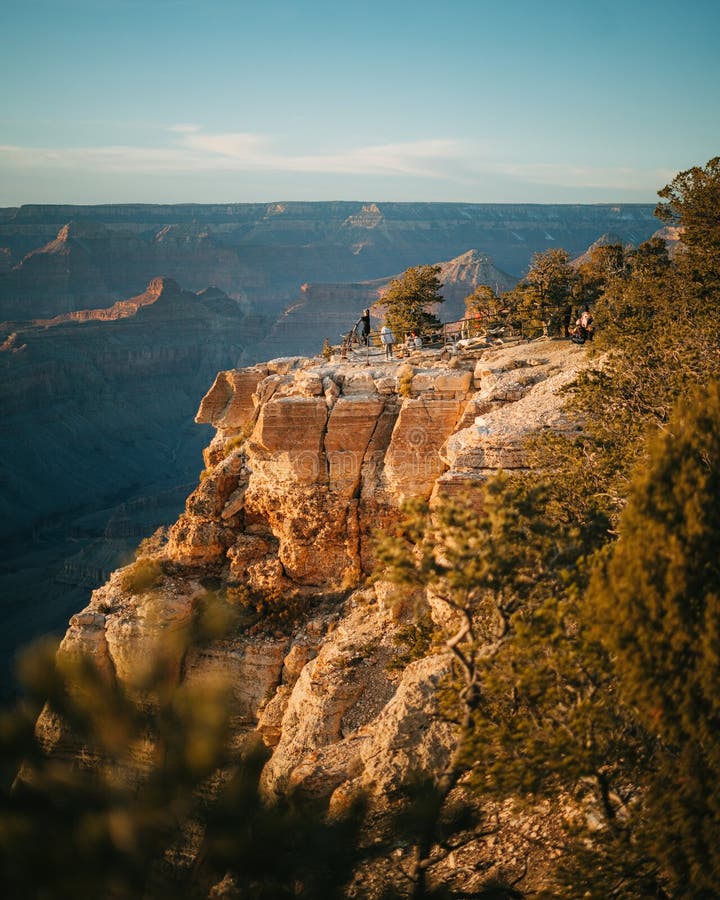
<point>446,333</point>
<point>507,325</point>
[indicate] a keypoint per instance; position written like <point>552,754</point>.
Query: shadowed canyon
<point>116,319</point>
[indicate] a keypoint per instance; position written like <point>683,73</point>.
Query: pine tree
<point>147,774</point>
<point>547,711</point>
<point>533,692</point>
<point>484,309</point>
<point>604,263</point>
<point>658,598</point>
<point>542,298</point>
<point>693,201</point>
<point>408,300</point>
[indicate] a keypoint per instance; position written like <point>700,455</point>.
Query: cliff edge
<point>309,459</point>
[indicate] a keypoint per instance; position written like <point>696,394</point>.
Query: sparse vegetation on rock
<point>520,703</point>
<point>145,573</point>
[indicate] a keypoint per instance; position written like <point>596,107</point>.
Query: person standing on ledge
<point>365,319</point>
<point>388,338</point>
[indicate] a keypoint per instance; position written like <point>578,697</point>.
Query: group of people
<point>360,333</point>
<point>582,331</point>
<point>413,341</point>
<point>584,328</point>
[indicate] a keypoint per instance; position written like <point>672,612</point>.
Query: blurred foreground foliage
<point>137,792</point>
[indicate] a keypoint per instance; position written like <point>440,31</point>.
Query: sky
<point>214,101</point>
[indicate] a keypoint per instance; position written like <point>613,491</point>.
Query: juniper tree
<point>604,263</point>
<point>544,710</point>
<point>542,297</point>
<point>658,598</point>
<point>532,694</point>
<point>661,338</point>
<point>484,308</point>
<point>692,201</point>
<point>96,819</point>
<point>409,298</point>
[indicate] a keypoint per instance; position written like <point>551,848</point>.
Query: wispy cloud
<point>574,176</point>
<point>477,168</point>
<point>240,148</point>
<point>97,159</point>
<point>426,158</point>
<point>192,150</point>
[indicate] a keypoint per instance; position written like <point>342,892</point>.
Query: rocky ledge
<point>309,459</point>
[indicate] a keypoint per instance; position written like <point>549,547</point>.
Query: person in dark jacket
<point>365,320</point>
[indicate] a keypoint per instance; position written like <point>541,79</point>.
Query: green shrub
<point>405,377</point>
<point>141,576</point>
<point>267,610</point>
<point>414,641</point>
<point>237,441</point>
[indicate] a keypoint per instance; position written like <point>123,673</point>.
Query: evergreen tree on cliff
<point>607,694</point>
<point>101,822</point>
<point>658,598</point>
<point>408,299</point>
<point>484,308</point>
<point>541,299</point>
<point>604,263</point>
<point>693,201</point>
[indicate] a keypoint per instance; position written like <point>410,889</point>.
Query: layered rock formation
<point>83,393</point>
<point>88,264</point>
<point>605,240</point>
<point>329,450</point>
<point>66,273</point>
<point>73,257</point>
<point>309,458</point>
<point>98,410</point>
<point>92,370</point>
<point>460,277</point>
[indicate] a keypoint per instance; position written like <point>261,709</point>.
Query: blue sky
<point>219,101</point>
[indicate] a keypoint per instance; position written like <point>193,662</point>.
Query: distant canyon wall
<point>58,258</point>
<point>330,310</point>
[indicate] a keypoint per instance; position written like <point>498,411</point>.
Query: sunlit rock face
<point>102,361</point>
<point>309,459</point>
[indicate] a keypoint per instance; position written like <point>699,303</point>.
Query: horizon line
<point>280,202</point>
